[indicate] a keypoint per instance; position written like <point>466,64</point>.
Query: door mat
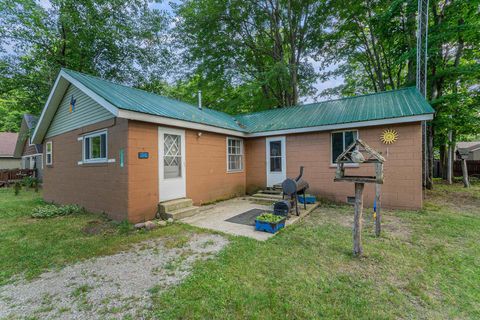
<point>248,217</point>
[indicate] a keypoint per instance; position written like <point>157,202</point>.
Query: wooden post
<point>466,183</point>
<point>378,212</point>
<point>357,219</point>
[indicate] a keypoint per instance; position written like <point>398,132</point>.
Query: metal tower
<point>422,43</point>
<point>421,81</point>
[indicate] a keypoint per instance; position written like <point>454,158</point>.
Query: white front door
<point>171,158</point>
<point>276,161</point>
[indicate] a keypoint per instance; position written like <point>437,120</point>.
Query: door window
<point>275,156</point>
<point>172,158</point>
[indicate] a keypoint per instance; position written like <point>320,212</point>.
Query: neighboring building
<point>7,147</point>
<point>31,154</point>
<point>120,150</point>
<point>472,147</point>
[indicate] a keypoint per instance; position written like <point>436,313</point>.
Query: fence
<point>11,175</point>
<point>473,167</point>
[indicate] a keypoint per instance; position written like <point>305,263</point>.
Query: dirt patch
<point>343,216</point>
<point>95,227</point>
<point>115,286</point>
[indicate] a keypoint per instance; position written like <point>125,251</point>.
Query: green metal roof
<point>132,99</point>
<point>383,105</point>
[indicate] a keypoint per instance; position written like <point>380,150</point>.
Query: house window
<point>234,154</point>
<point>30,143</point>
<point>340,141</point>
<point>95,147</point>
<point>49,153</point>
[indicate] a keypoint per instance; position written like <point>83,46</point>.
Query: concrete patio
<point>213,217</point>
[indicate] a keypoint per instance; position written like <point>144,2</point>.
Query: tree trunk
<point>466,183</point>
<point>429,173</point>
<point>450,159</point>
<point>357,219</point>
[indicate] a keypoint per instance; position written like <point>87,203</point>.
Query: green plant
<point>124,227</point>
<point>270,218</point>
<point>29,182</point>
<point>52,210</point>
<point>17,187</point>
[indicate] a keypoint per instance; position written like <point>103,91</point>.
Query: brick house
<point>120,150</point>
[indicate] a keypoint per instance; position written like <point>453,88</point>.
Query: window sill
<point>234,171</point>
<point>346,165</point>
<point>95,163</point>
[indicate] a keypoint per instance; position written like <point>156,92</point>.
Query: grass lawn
<point>30,246</point>
<point>425,265</point>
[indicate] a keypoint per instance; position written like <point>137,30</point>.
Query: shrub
<point>17,188</point>
<point>51,210</point>
<point>270,218</point>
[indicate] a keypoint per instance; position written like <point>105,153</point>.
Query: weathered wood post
<point>353,153</point>
<point>357,219</point>
<point>378,211</point>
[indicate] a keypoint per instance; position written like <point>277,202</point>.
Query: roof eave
<point>358,124</point>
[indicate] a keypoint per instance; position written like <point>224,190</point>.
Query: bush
<point>17,188</point>
<point>270,218</point>
<point>51,210</point>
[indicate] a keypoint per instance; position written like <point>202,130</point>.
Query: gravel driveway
<point>111,286</point>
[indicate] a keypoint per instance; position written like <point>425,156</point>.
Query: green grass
<point>30,246</point>
<point>426,264</point>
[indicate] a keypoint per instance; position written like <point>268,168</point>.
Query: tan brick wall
<point>206,167</point>
<point>255,164</point>
<point>207,176</point>
<point>97,187</point>
<point>403,168</point>
<point>142,173</point>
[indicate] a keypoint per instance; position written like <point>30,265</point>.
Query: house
<point>472,147</point>
<point>30,153</point>
<point>7,146</point>
<point>120,150</point>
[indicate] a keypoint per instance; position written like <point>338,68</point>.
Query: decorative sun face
<point>389,136</point>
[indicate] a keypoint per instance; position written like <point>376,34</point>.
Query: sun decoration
<point>389,136</point>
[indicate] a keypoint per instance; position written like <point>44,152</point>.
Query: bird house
<point>359,152</point>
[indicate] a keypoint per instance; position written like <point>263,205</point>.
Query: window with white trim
<point>340,141</point>
<point>95,147</point>
<point>49,153</point>
<point>234,154</point>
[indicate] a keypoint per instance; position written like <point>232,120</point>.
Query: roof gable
<point>85,111</point>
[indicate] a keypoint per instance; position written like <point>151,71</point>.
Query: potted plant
<point>269,222</point>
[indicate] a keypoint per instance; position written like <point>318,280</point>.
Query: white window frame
<point>92,135</point>
<point>30,141</point>
<point>333,164</point>
<point>241,155</point>
<point>49,153</point>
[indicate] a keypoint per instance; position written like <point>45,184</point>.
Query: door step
<point>267,196</point>
<point>177,209</point>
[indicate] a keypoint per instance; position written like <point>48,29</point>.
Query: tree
<point>258,50</point>
<point>120,40</point>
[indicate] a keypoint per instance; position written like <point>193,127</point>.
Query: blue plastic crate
<point>269,227</point>
<point>308,198</point>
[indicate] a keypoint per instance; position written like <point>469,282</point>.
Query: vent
<point>351,200</point>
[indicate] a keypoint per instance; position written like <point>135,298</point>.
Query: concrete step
<point>267,196</point>
<point>182,213</point>
<point>172,205</point>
